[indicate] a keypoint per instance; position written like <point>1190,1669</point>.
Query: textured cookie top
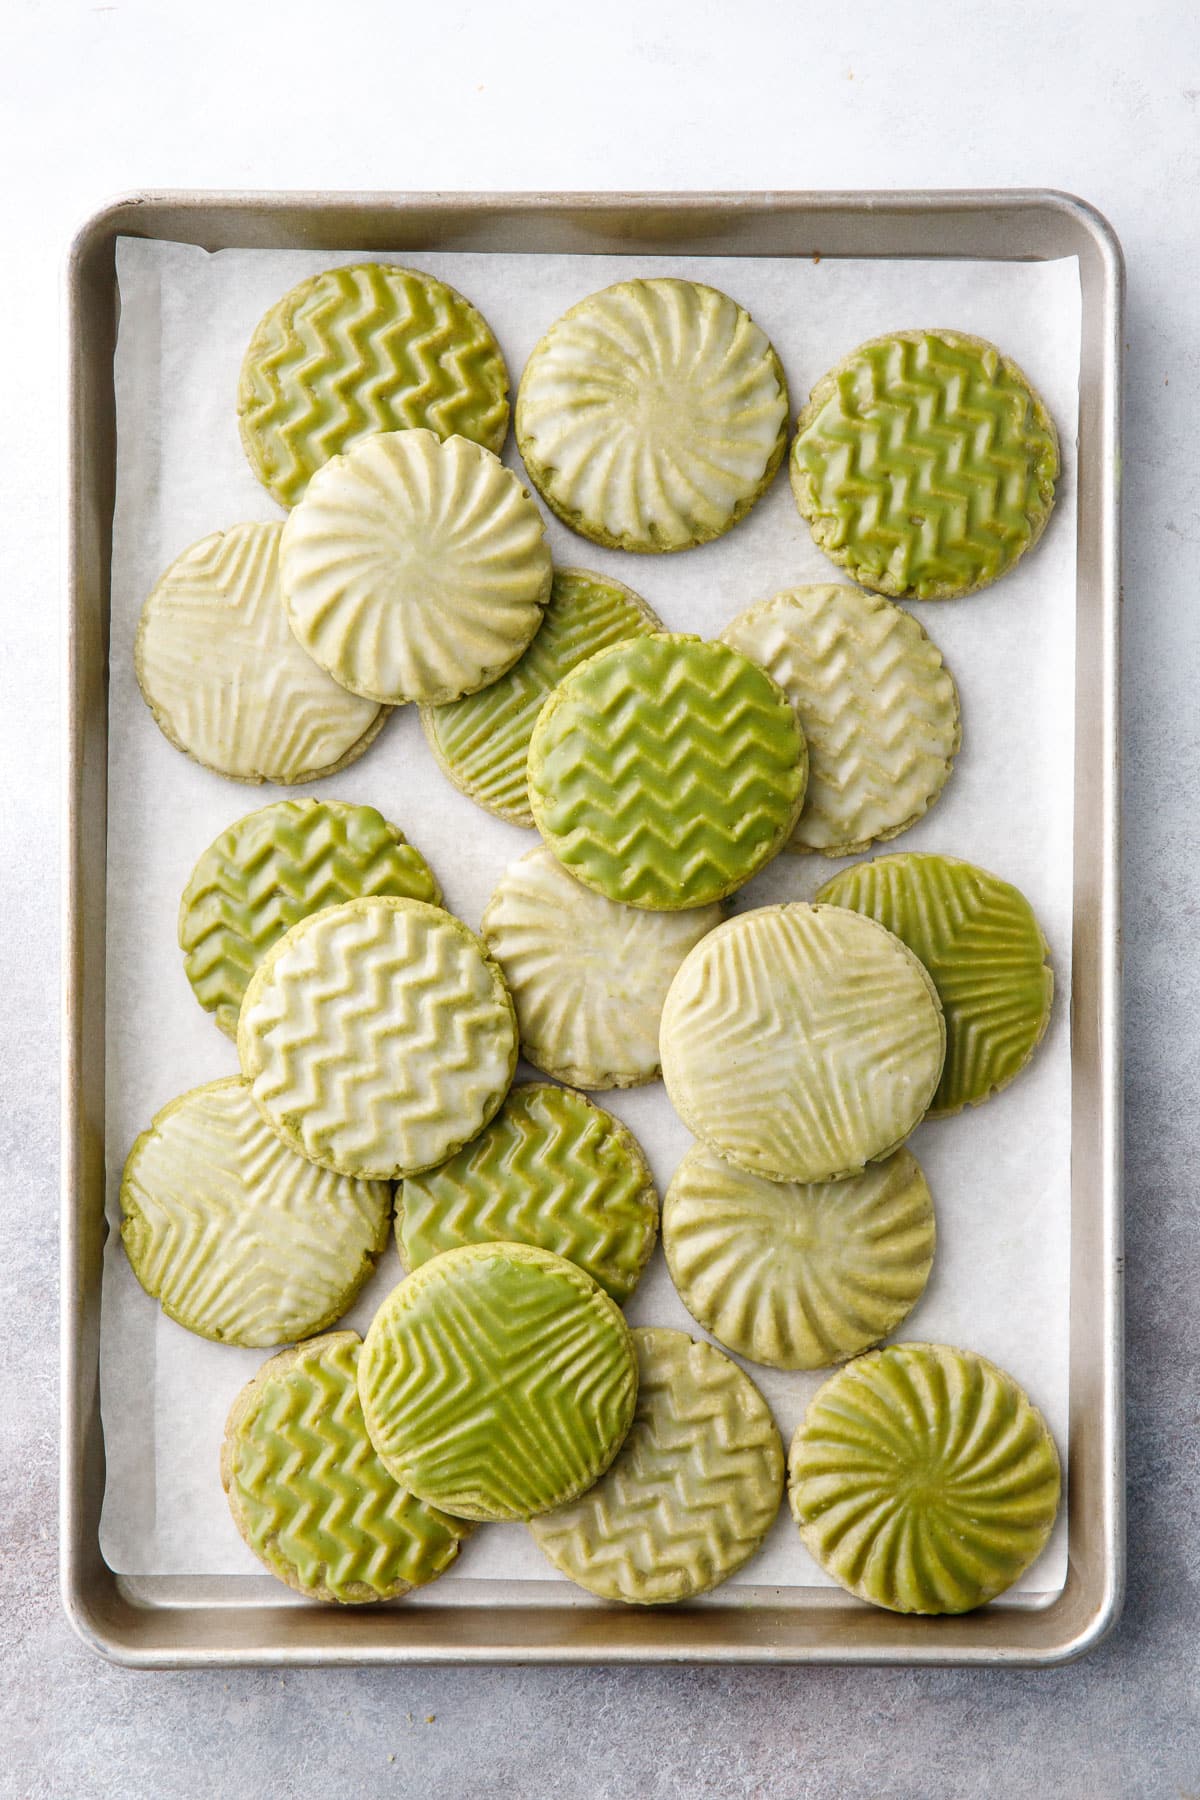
<point>878,707</point>
<point>925,464</point>
<point>377,1036</point>
<point>652,415</point>
<point>983,947</point>
<point>415,569</point>
<point>800,1045</point>
<point>694,1488</point>
<point>923,1479</point>
<point>666,771</point>
<point>358,350</point>
<point>309,1494</point>
<point>226,680</point>
<point>498,1381</point>
<point>271,869</point>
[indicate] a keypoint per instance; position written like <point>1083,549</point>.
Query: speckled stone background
<point>1097,98</point>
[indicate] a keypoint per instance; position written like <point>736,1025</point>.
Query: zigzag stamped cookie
<point>693,1491</point>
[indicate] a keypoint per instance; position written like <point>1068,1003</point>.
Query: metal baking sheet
<point>177,1620</point>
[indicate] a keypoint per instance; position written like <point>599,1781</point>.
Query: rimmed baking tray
<point>180,1621</point>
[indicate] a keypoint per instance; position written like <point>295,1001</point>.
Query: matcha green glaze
<point>666,771</point>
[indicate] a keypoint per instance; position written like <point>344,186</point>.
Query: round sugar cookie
<point>878,707</point>
<point>498,1381</point>
<point>800,1045</point>
<point>694,1488</point>
<point>482,740</point>
<point>237,1237</point>
<point>365,348</point>
<point>588,976</point>
<point>310,1496</point>
<point>798,1274</point>
<point>414,569</point>
<point>551,1170</point>
<point>923,1480</point>
<point>652,415</point>
<point>226,680</point>
<point>984,949</point>
<point>272,868</point>
<point>666,771</point>
<point>925,464</point>
<point>377,1036</point>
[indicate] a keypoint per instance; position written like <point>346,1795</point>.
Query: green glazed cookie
<point>665,772</point>
<point>796,1274</point>
<point>270,870</point>
<point>377,1037</point>
<point>878,707</point>
<point>309,1494</point>
<point>693,1491</point>
<point>925,464</point>
<point>985,951</point>
<point>361,349</point>
<point>225,679</point>
<point>652,415</point>
<point>482,741</point>
<point>235,1236</point>
<point>498,1381</point>
<point>414,569</point>
<point>588,976</point>
<point>801,1042</point>
<point>923,1480</point>
<point>552,1170</point>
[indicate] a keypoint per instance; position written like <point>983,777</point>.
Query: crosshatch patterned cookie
<point>365,348</point>
<point>984,949</point>
<point>694,1488</point>
<point>799,1045</point>
<point>588,976</point>
<point>271,869</point>
<point>225,679</point>
<point>310,1496</point>
<point>925,464</point>
<point>498,1381</point>
<point>377,1037</point>
<point>237,1237</point>
<point>482,741</point>
<point>415,569</point>
<point>665,772</point>
<point>652,415</point>
<point>878,707</point>
<point>796,1274</point>
<point>923,1480</point>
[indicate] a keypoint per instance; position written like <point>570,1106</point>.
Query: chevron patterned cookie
<point>552,1170</point>
<point>482,741</point>
<point>652,415</point>
<point>271,869</point>
<point>498,1381</point>
<point>310,1496</point>
<point>796,1274</point>
<point>925,464</point>
<point>225,679</point>
<point>415,569</point>
<point>984,949</point>
<point>377,1037</point>
<point>361,349</point>
<point>801,1042</point>
<point>235,1236</point>
<point>588,976</point>
<point>878,707</point>
<point>665,772</point>
<point>923,1480</point>
<point>692,1493</point>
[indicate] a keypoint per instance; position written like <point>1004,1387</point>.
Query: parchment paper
<point>999,1174</point>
